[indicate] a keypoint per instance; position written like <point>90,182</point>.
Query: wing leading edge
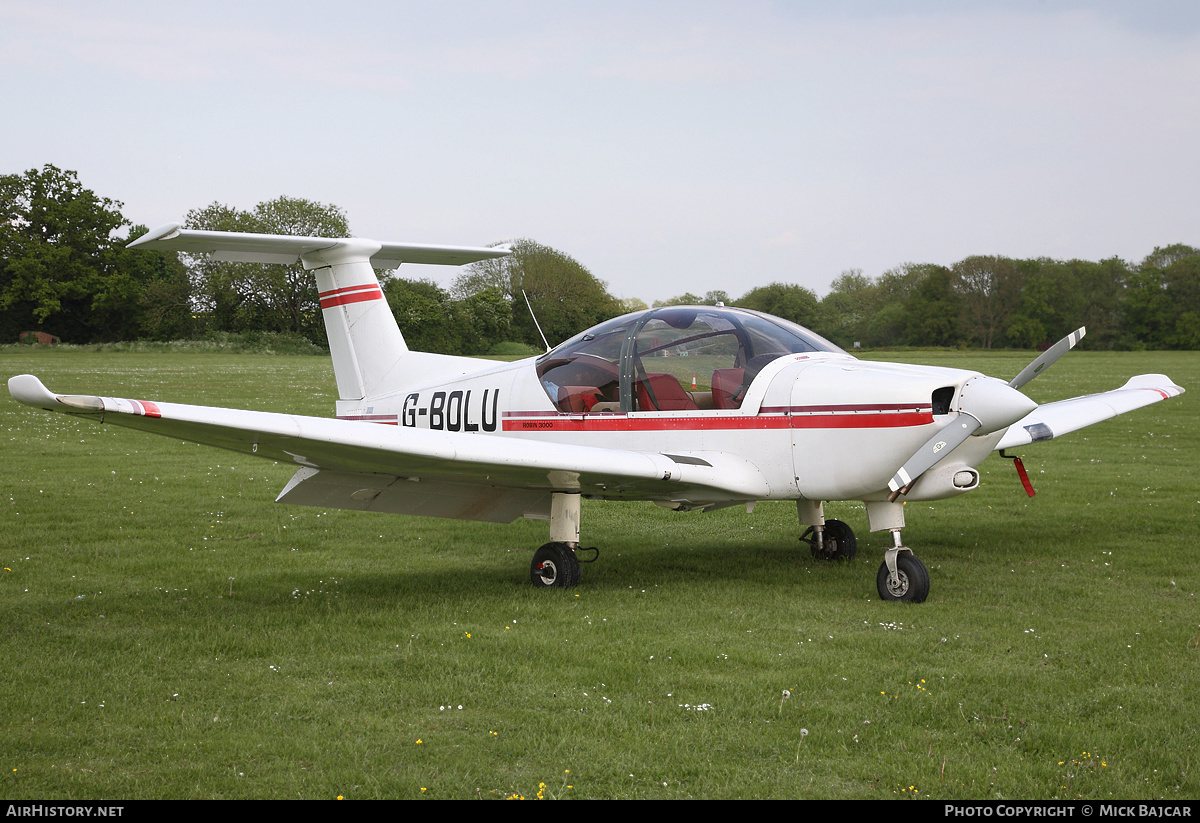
<point>351,464</point>
<point>1052,420</point>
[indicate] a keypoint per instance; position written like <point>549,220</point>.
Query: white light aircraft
<point>691,407</point>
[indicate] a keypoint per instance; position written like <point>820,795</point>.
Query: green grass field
<point>169,632</point>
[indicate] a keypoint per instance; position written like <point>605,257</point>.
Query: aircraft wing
<point>1052,420</point>
<point>359,465</point>
<point>275,248</point>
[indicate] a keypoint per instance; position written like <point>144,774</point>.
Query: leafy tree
<point>1148,309</point>
<point>786,300</point>
<point>989,288</point>
<point>887,323</point>
<point>1058,297</point>
<point>847,310</point>
<point>57,250</point>
<point>432,320</point>
<point>887,326</point>
<point>64,266</point>
<point>487,318</point>
<point>165,304</point>
<point>1164,298</point>
<point>1162,258</point>
<point>566,297</point>
<point>685,299</point>
<point>897,284</point>
<point>1182,279</point>
<point>933,310</point>
<point>1046,298</point>
<point>1187,331</point>
<point>710,298</point>
<point>1104,289</point>
<point>148,296</point>
<point>261,297</point>
<point>424,314</point>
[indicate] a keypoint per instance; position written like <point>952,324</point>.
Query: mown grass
<point>277,343</point>
<point>168,631</point>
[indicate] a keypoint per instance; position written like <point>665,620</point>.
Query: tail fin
<point>364,340</point>
<point>366,344</point>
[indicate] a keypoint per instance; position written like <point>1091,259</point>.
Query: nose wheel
<point>902,577</point>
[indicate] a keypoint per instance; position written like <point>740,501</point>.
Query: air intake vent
<point>941,399</point>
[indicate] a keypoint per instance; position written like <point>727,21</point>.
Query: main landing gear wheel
<point>910,584</point>
<point>554,565</point>
<point>837,543</point>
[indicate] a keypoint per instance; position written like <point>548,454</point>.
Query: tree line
<point>64,269</point>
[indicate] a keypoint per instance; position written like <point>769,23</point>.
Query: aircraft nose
<point>993,403</point>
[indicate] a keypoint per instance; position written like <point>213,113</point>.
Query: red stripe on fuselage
<point>621,423</point>
<point>887,420</point>
<point>849,409</point>
<point>802,417</point>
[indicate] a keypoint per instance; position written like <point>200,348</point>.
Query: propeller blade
<point>1048,357</point>
<point>941,444</point>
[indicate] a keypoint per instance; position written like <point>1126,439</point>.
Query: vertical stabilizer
<point>364,340</point>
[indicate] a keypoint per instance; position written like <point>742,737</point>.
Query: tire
<point>839,540</point>
<point>912,585</point>
<point>554,566</point>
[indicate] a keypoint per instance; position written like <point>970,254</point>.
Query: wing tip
<point>164,232</point>
<point>28,389</point>
<point>1155,382</point>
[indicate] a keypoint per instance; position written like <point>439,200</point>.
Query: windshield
<point>678,358</point>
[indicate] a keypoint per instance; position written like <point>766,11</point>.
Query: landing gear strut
<point>833,541</point>
<point>826,539</point>
<point>556,564</point>
<point>901,577</point>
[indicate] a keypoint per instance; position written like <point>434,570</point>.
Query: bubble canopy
<point>676,358</point>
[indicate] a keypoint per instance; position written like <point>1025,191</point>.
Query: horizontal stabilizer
<point>276,248</point>
<point>1052,420</point>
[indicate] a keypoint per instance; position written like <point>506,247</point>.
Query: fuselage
<point>815,421</point>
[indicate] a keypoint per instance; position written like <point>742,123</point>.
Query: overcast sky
<point>668,146</point>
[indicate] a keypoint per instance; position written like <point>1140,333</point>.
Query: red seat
<point>725,383</point>
<point>664,389</point>
<point>577,398</point>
